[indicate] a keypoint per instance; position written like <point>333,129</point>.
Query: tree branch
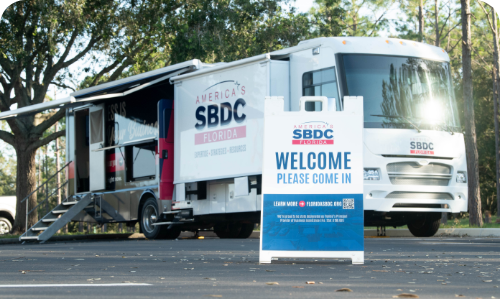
<point>7,137</point>
<point>49,122</point>
<point>444,25</point>
<point>378,20</point>
<point>91,43</point>
<point>104,71</point>
<point>62,85</point>
<point>47,140</point>
<point>452,48</point>
<point>452,29</point>
<point>487,15</point>
<point>70,43</point>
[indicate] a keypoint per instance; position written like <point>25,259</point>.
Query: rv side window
<point>320,83</point>
<point>141,161</point>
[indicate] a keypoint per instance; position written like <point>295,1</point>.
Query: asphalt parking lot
<point>191,268</point>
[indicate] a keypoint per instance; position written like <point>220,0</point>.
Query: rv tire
<point>424,227</point>
<point>149,215</point>
<point>227,230</point>
<point>246,230</point>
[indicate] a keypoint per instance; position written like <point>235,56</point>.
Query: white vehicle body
<point>410,180</point>
<point>414,153</point>
<point>7,213</point>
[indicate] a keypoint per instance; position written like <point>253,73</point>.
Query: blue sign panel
<point>317,222</point>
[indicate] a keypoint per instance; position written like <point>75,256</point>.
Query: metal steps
<point>57,218</point>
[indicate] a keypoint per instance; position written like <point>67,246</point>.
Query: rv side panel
<point>219,123</point>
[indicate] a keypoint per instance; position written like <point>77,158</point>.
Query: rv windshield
<point>402,92</point>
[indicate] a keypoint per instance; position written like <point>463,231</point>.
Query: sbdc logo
<point>422,147</point>
<point>312,136</point>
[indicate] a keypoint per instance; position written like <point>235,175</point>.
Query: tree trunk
<point>421,21</point>
<point>474,194</point>
<point>354,24</point>
<point>496,98</point>
<point>25,184</point>
<point>436,24</point>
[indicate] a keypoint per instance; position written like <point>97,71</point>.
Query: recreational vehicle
<point>180,148</point>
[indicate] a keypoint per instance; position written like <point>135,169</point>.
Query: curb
<point>442,232</point>
<point>81,237</point>
<point>395,233</point>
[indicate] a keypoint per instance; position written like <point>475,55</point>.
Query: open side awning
<point>33,109</point>
<point>118,88</point>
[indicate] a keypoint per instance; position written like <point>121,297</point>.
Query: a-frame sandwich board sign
<point>312,180</point>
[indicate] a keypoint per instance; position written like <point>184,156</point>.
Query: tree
<point>493,24</point>
<point>7,175</point>
<point>328,18</point>
<point>229,30</point>
<point>367,24</point>
<point>474,194</point>
<point>41,39</point>
<point>421,21</point>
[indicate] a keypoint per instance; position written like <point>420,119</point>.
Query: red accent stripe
<point>167,172</point>
<point>421,152</point>
<point>70,171</point>
<point>312,142</point>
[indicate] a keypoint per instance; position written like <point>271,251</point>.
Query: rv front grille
<point>419,206</point>
<point>412,173</point>
<point>419,195</point>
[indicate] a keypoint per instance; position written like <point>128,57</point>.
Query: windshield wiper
<point>447,127</point>
<point>402,117</point>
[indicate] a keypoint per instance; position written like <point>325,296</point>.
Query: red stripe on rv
<point>167,177</point>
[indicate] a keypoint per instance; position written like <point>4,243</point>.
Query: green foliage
<point>230,30</point>
<point>449,23</point>
<point>7,175</point>
<point>328,18</point>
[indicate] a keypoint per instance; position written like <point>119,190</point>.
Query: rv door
<point>97,165</point>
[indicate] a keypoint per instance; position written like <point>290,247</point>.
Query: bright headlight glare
<point>371,174</point>
<point>462,177</point>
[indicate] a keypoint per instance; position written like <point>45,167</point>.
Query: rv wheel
<point>149,216</point>
<point>424,227</point>
<point>227,230</point>
<point>246,230</point>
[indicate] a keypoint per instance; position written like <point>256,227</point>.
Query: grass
<point>7,236</point>
<point>98,232</point>
<point>464,223</point>
<point>455,223</point>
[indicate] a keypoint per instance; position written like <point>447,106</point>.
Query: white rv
<point>180,148</point>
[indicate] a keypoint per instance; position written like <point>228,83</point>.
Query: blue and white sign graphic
<point>313,181</point>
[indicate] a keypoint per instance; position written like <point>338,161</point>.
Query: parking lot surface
<point>216,268</point>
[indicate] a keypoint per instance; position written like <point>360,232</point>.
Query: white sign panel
<point>312,180</point>
<point>219,124</point>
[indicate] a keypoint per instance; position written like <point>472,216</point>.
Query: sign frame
<point>273,142</point>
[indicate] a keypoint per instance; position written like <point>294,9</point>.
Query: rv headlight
<point>461,177</point>
<point>371,174</point>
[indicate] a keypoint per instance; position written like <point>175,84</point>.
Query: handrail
<point>47,196</point>
<point>62,185</point>
<point>46,181</point>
